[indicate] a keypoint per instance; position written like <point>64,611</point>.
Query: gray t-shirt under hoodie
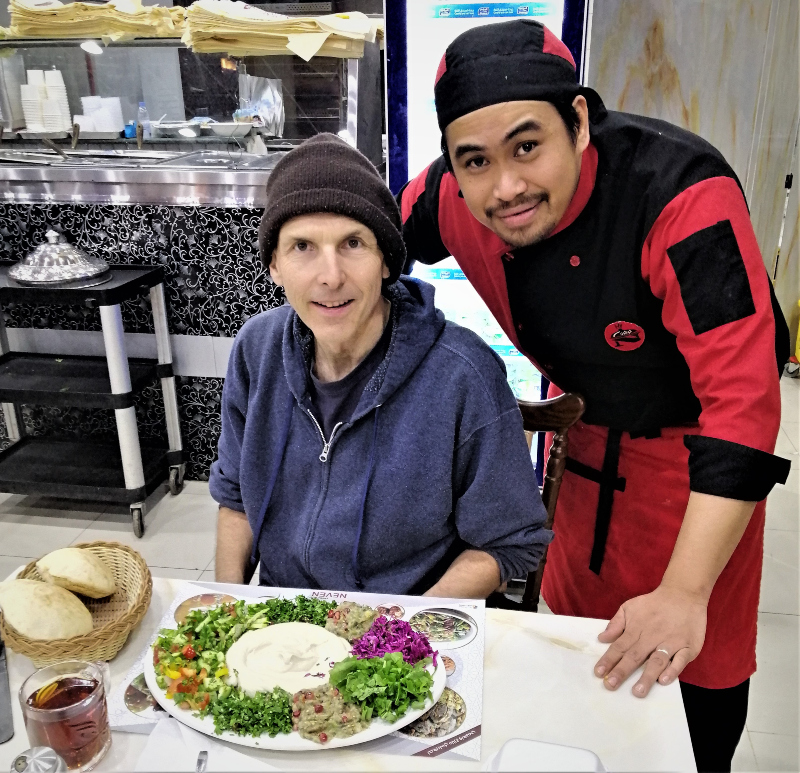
<point>336,401</point>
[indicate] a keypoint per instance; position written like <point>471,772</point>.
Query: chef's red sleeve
<point>419,206</point>
<point>702,260</point>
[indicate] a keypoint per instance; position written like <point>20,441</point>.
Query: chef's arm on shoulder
<point>419,208</point>
<point>234,546</point>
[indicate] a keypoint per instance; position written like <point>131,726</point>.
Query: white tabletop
<point>538,684</point>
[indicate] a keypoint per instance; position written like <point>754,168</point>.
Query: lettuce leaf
<point>385,687</point>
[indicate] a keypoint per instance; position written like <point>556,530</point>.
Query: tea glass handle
<point>105,670</point>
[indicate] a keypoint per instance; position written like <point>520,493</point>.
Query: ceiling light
<point>91,47</point>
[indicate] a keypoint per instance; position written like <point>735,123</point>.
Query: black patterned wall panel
<point>214,279</point>
<point>214,283</point>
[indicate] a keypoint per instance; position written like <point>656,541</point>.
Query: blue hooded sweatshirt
<point>433,462</point>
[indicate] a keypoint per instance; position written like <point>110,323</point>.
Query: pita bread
<point>80,571</point>
<point>41,611</point>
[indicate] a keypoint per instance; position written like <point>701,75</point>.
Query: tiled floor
<point>179,542</point>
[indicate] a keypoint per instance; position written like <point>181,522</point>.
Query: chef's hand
<point>666,619</point>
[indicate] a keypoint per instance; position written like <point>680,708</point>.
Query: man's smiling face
<point>331,269</point>
<point>518,166</point>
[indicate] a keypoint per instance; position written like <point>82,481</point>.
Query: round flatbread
<point>77,570</point>
<point>42,611</point>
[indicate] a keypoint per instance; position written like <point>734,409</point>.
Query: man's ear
<point>273,269</point>
<point>582,109</point>
<point>385,273</point>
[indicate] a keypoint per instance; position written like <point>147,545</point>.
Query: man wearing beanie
<point>616,252</point>
<point>366,443</point>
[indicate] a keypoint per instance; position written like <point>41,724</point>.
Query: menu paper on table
<point>454,627</point>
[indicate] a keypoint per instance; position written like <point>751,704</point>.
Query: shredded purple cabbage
<point>393,636</point>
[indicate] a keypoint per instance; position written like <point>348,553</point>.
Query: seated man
<point>366,443</point>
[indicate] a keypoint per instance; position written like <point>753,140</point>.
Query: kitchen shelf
<point>125,471</point>
<point>77,381</point>
<point>77,469</point>
<point>76,42</point>
<point>126,282</point>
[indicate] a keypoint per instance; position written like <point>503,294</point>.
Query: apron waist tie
<point>609,482</point>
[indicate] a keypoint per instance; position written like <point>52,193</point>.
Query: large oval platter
<point>292,741</point>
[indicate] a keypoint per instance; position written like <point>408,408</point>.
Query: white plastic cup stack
<point>36,78</point>
<point>32,107</point>
<point>51,115</point>
<point>57,91</point>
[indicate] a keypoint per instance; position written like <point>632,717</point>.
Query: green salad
<point>190,665</point>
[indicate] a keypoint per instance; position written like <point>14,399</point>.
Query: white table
<point>538,684</point>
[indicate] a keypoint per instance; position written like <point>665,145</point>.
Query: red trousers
<point>645,520</point>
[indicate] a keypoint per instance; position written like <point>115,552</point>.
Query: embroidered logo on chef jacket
<point>624,336</point>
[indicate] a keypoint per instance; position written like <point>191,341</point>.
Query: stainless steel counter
<point>201,178</point>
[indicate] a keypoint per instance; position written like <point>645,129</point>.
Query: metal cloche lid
<point>40,759</point>
<point>55,262</point>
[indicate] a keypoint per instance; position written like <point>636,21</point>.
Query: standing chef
<point>617,252</point>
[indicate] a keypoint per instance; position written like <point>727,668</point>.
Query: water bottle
<point>144,120</point>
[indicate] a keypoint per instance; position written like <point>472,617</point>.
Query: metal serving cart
<point>89,469</point>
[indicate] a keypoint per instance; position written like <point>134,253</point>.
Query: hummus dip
<point>293,656</point>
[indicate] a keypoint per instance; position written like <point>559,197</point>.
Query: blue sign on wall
<point>489,10</point>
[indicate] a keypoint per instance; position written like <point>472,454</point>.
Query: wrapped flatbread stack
<point>39,610</point>
<point>115,20</point>
<point>237,29</point>
<point>80,571</point>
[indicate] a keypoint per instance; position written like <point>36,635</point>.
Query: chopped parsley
<point>269,712</point>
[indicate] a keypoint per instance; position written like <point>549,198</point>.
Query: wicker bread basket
<point>114,617</point>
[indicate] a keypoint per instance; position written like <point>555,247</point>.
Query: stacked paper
<point>114,20</point>
<point>238,29</point>
<point>101,114</point>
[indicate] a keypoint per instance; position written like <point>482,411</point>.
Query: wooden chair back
<point>554,415</point>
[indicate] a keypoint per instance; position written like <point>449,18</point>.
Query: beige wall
<point>727,70</point>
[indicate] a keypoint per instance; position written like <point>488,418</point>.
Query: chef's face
<point>518,166</point>
<point>331,270</point>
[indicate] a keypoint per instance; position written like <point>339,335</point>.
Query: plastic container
<point>144,119</point>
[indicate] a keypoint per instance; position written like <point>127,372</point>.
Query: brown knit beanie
<point>325,174</point>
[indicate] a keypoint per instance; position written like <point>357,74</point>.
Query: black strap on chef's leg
<point>608,482</point>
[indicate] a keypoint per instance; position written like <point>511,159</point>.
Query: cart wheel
<point>175,481</point>
<point>137,518</point>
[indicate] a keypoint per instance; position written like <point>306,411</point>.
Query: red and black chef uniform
<point>651,300</point>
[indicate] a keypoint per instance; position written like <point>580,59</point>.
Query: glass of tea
<point>64,707</point>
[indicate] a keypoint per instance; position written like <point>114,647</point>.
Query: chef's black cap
<point>510,61</point>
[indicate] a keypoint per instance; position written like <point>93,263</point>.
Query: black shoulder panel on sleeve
<point>725,469</point>
<point>712,277</point>
<point>421,228</point>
